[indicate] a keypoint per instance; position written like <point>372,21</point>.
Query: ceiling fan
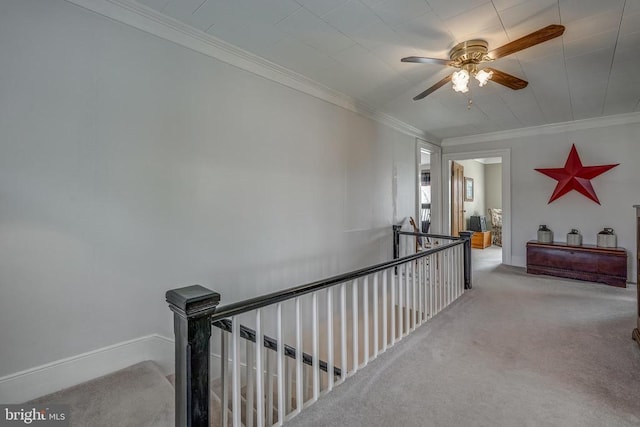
<point>468,55</point>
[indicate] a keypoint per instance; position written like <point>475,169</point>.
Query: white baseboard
<point>41,380</point>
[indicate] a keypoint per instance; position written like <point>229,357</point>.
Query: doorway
<point>483,200</point>
<point>457,199</point>
<point>428,188</point>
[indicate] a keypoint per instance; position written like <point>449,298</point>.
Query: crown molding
<point>596,122</point>
<point>150,21</point>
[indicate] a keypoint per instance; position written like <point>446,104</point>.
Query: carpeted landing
<point>516,350</point>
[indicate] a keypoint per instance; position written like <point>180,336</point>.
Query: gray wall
<point>130,165</point>
<point>492,186</point>
<point>531,190</point>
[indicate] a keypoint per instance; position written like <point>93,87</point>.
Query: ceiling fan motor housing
<point>469,52</point>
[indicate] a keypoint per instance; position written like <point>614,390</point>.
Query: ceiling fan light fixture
<point>460,80</point>
<point>469,55</point>
<point>483,77</point>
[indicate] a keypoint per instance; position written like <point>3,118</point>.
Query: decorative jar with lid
<point>607,238</point>
<point>574,238</point>
<point>545,235</point>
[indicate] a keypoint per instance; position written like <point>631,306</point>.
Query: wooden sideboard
<point>586,262</point>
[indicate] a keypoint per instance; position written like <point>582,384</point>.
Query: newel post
<point>192,308</point>
<point>466,235</point>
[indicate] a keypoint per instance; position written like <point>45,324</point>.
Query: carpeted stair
<point>139,395</point>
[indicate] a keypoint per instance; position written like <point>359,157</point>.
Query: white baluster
<point>419,291</point>
<point>432,284</point>
<point>250,383</point>
<point>235,372</point>
<point>343,330</point>
<point>330,363</point>
<point>376,326</point>
<point>461,268</point>
<point>224,373</point>
<point>445,279</point>
<point>458,292</point>
<point>259,370</point>
<point>280,364</point>
<point>365,320</point>
<point>414,305</point>
<point>354,312</point>
<point>385,273</point>
<point>306,376</point>
<point>401,280</point>
<point>440,282</point>
<point>425,288</point>
<point>407,290</point>
<point>393,305</point>
<point>452,273</point>
<point>270,405</point>
<point>316,345</point>
<point>449,275</point>
<point>289,369</point>
<point>425,279</point>
<point>299,373</point>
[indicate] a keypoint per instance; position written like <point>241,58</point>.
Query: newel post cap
<point>465,234</point>
<point>193,301</point>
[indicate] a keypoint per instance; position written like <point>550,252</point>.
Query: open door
<point>457,198</point>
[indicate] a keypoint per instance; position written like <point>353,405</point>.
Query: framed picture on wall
<point>468,189</point>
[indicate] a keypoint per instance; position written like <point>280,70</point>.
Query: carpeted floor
<point>517,350</point>
<point>138,396</point>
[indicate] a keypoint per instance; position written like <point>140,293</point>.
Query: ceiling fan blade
<point>537,37</point>
<point>425,60</point>
<point>433,88</point>
<point>512,82</point>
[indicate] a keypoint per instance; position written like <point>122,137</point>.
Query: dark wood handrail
<point>195,312</point>
<point>262,301</point>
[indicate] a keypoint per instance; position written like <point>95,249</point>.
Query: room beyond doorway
<point>486,196</point>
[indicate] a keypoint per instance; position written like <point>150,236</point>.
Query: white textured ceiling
<point>355,46</point>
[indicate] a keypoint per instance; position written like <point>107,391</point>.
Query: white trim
<point>41,380</point>
<point>150,21</point>
<point>596,122</point>
<point>505,154</point>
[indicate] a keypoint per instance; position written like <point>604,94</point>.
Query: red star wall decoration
<point>574,176</point>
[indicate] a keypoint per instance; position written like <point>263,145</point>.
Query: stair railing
<point>348,320</point>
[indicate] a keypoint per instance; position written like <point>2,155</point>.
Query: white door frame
<point>505,154</point>
<point>435,151</point>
